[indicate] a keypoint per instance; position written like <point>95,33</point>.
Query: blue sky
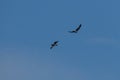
<point>28,27</point>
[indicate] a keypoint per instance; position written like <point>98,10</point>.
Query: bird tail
<point>51,47</point>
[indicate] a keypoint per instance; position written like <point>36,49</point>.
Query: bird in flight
<point>76,30</point>
<point>54,44</point>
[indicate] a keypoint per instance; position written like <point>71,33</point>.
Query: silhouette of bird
<point>54,44</point>
<point>76,30</point>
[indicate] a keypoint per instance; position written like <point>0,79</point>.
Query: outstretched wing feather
<point>78,27</point>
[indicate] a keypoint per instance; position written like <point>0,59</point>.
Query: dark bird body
<point>54,44</point>
<point>76,30</point>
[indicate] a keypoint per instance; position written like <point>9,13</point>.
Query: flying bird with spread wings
<point>76,30</point>
<point>54,44</point>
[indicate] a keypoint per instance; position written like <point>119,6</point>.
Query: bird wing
<point>55,42</point>
<point>71,31</point>
<point>78,27</point>
<point>52,45</point>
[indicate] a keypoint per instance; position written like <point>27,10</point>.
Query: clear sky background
<point>28,27</point>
